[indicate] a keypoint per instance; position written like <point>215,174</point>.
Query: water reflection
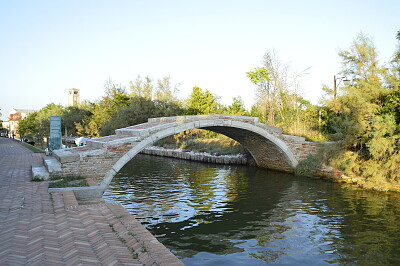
<point>213,214</point>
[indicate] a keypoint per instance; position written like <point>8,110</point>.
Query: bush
<point>309,166</point>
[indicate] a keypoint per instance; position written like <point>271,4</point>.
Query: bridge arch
<point>262,141</point>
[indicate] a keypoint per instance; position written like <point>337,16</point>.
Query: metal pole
<point>334,87</point>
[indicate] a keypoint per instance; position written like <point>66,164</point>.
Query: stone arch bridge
<point>102,158</point>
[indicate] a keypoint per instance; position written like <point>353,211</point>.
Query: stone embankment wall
<point>239,159</point>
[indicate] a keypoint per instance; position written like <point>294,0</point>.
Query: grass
<point>30,147</point>
<point>68,181</point>
<point>309,132</point>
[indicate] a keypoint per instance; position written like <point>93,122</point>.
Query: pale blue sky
<point>48,47</point>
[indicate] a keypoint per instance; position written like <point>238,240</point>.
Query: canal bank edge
<point>239,159</point>
<point>140,242</point>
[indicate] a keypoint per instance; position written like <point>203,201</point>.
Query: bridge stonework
<point>102,158</point>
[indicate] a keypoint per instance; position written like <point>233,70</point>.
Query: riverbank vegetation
<point>202,141</point>
<point>362,114</point>
<point>69,181</point>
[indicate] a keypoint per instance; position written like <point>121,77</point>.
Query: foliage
<point>68,181</point>
<point>71,116</point>
<point>201,102</point>
<point>365,117</point>
<point>138,111</point>
<point>308,166</point>
<point>99,112</point>
<point>237,107</point>
<point>42,119</point>
<point>28,125</point>
<point>31,148</point>
<point>278,102</point>
<point>38,123</point>
<point>195,140</point>
<point>165,92</point>
<point>142,88</point>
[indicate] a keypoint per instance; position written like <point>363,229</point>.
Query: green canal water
<point>210,214</point>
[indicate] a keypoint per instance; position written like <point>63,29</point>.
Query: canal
<point>236,215</point>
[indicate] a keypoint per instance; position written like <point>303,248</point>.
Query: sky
<point>48,47</point>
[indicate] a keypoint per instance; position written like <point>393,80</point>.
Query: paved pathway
<point>38,228</point>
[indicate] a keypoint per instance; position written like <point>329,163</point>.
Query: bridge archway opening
<point>267,150</point>
<point>202,140</point>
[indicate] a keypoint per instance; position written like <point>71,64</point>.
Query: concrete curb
<point>94,192</point>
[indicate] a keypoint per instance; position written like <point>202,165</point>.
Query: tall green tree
<point>43,117</point>
<point>142,88</point>
<point>115,96</point>
<point>165,91</point>
<point>71,116</point>
<point>392,78</point>
<point>278,101</point>
<point>368,143</point>
<point>100,111</point>
<point>201,102</point>
<point>237,107</point>
<point>138,111</point>
<point>28,125</point>
<point>361,98</point>
<point>260,76</point>
<point>276,88</point>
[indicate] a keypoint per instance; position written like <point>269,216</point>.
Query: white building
<point>16,115</point>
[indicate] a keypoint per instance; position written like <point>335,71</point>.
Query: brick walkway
<point>38,228</point>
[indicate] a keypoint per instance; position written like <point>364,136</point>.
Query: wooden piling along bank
<point>239,159</point>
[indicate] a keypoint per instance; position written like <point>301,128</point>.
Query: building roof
<point>26,111</point>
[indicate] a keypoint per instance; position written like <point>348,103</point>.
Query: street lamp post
<point>336,84</point>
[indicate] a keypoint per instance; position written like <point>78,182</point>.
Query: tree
<point>100,111</point>
<point>42,120</point>
<point>365,129</point>
<point>237,107</point>
<point>201,102</point>
<point>138,111</point>
<point>274,84</point>
<point>362,96</point>
<point>260,77</point>
<point>278,102</point>
<point>165,92</point>
<point>71,116</point>
<point>142,88</point>
<point>28,125</point>
<point>392,79</point>
<point>115,96</point>
<point>395,63</point>
<point>43,117</point>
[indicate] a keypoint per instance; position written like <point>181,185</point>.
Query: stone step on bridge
<point>102,158</point>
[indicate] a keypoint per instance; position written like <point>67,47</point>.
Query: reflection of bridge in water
<point>103,157</point>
